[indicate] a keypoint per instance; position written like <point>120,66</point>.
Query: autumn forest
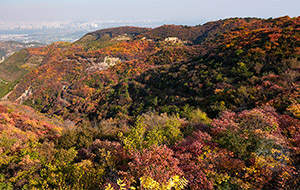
<point>212,106</point>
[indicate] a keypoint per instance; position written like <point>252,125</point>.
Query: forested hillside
<point>12,69</point>
<point>213,106</point>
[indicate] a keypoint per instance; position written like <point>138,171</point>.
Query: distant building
<point>172,39</point>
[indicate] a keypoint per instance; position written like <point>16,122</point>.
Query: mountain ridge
<point>136,54</point>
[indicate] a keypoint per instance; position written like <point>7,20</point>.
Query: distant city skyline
<point>51,31</point>
<point>187,11</point>
<point>47,21</point>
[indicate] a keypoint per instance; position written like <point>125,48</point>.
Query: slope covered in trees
<point>214,106</point>
<point>14,68</point>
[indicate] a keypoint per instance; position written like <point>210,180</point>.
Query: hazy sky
<point>86,10</point>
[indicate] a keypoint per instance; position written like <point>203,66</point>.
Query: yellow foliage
<point>148,183</point>
<point>109,187</point>
<point>58,129</point>
<point>264,167</point>
<point>198,116</point>
<point>294,108</point>
<point>175,182</point>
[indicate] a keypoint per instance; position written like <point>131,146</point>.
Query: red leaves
<point>274,37</point>
<point>3,109</point>
<point>156,162</point>
<point>226,120</point>
<point>261,119</point>
<point>28,122</point>
<point>188,152</point>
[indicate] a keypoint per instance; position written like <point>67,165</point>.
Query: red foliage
<point>202,162</point>
<point>26,122</point>
<point>188,152</point>
<point>157,162</point>
<point>263,119</point>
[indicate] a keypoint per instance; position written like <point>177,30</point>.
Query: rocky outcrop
<point>108,61</point>
<point>24,96</point>
<point>123,37</point>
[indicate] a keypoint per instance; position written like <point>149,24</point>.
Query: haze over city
<point>68,20</point>
<point>79,10</point>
